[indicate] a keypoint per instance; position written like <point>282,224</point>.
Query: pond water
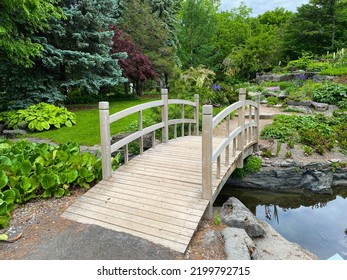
<point>316,222</point>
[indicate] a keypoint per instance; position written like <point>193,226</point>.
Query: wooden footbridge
<point>162,194</point>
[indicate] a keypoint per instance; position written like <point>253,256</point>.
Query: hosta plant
<point>39,117</point>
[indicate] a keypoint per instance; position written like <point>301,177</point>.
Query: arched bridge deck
<point>162,194</point>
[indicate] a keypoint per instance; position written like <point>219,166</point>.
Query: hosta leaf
<point>3,179</point>
<point>68,123</point>
<point>45,125</point>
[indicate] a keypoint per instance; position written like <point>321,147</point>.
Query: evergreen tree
<point>150,34</point>
<point>76,57</point>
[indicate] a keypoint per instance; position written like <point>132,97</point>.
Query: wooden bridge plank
<point>113,206</point>
<point>156,196</point>
<point>177,246</point>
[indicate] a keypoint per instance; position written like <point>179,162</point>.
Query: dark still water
<point>316,222</point>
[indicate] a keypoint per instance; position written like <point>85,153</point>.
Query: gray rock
<point>317,181</point>
<point>238,245</point>
<point>14,133</point>
<point>235,214</point>
<point>320,106</point>
<point>317,177</point>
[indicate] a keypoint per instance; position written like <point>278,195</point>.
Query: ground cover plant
<point>319,132</point>
<point>31,171</point>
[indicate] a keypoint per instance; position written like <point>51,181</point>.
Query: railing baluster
<point>165,115</point>
<point>218,167</point>
<point>196,114</point>
<point>182,126</point>
<point>227,149</point>
<point>126,154</point>
<point>140,129</point>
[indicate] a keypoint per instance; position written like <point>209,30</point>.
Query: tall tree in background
<point>196,29</point>
<point>150,34</point>
<point>19,20</point>
<point>137,67</point>
<point>76,57</point>
<point>317,27</point>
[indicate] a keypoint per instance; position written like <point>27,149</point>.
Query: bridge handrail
<point>106,119</point>
<point>244,134</point>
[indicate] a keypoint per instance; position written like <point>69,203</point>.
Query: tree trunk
<point>139,88</point>
<point>126,88</point>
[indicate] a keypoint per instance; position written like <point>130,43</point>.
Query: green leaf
<point>26,167</point>
<point>68,123</point>
<point>9,196</point>
<point>47,181</point>
<point>72,176</point>
<point>3,179</point>
<point>5,161</point>
<point>45,125</point>
<point>4,220</point>
<point>59,192</point>
<point>3,207</point>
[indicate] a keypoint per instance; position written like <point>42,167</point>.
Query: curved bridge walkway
<point>162,194</point>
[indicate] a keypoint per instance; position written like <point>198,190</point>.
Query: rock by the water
<point>235,214</point>
<point>238,245</point>
<point>317,177</point>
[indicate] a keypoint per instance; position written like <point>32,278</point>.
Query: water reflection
<point>316,222</point>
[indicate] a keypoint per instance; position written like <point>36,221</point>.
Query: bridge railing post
<point>196,114</point>
<point>241,122</point>
<point>207,131</point>
<point>257,118</point>
<point>207,115</point>
<point>105,136</point>
<point>165,115</point>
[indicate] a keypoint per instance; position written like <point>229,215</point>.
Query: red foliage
<point>137,66</point>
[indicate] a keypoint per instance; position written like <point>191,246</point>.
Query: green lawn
<point>87,129</point>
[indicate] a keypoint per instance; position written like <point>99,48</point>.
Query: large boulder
<point>235,214</point>
<point>238,245</point>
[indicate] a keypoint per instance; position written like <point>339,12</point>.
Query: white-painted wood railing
<point>236,140</point>
<point>106,119</point>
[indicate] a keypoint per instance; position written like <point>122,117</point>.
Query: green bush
<point>252,164</point>
<point>39,117</point>
<point>272,100</point>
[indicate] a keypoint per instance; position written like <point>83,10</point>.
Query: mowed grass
<point>87,129</point>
